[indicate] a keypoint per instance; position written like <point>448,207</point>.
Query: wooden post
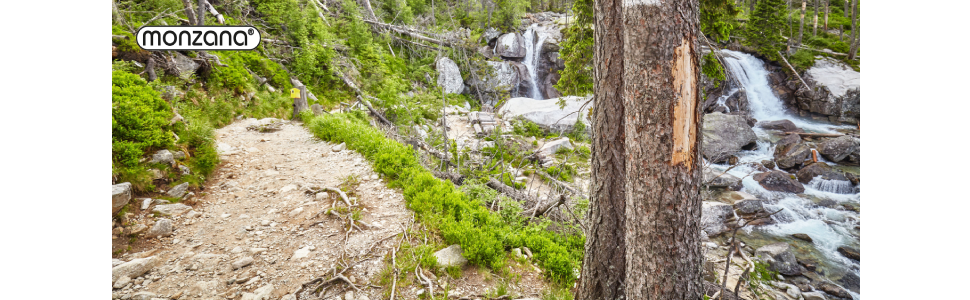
<point>299,95</point>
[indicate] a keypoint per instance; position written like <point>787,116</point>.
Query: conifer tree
<point>763,31</point>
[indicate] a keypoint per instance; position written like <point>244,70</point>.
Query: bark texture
<point>661,97</point>
<point>604,260</point>
<point>189,12</point>
<point>801,23</point>
<point>855,30</point>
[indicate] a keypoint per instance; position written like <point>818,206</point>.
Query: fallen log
<point>509,191</point>
<point>455,178</point>
<point>806,134</point>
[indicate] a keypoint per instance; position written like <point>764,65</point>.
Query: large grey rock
<point>834,290</point>
<point>162,227</point>
<point>451,256</point>
<point>839,148</point>
<point>171,209</point>
<point>449,76</point>
<point>120,195</point>
<point>184,65</point>
<point>490,34</point>
<point>814,295</point>
<point>749,207</point>
<point>317,109</point>
<point>719,179</point>
<point>510,45</point>
<point>781,125</point>
<point>133,268</point>
<point>779,181</point>
<point>725,135</point>
<point>163,157</point>
<point>549,148</point>
<point>779,258</point>
<point>835,91</point>
<point>849,252</point>
<point>713,217</point>
<point>179,190</point>
<point>546,113</point>
<point>809,172</point>
<point>791,152</point>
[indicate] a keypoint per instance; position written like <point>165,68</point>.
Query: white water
<point>533,46</point>
<point>829,228</point>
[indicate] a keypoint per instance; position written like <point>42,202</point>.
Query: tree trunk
<point>189,12</point>
<point>300,104</point>
<point>815,21</point>
<point>801,23</point>
<point>661,98</point>
<point>855,30</point>
<point>845,14</point>
<point>150,69</point>
<point>825,26</point>
<point>604,259</point>
<point>201,14</point>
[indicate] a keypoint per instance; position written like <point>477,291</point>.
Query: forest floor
<point>257,231</point>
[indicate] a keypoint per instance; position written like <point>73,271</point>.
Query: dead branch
<point>562,185</point>
<point>343,195</point>
<point>189,12</point>
<point>212,10</point>
<point>796,73</point>
<point>509,191</point>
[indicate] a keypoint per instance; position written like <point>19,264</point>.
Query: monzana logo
<point>198,37</point>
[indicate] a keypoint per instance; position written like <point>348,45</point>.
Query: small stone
<point>193,214</point>
<point>162,227</point>
<point>517,253</point>
<point>349,295</point>
<point>120,195</point>
<point>451,256</point>
<point>185,170</point>
<point>339,148</point>
<point>528,252</point>
<point>288,188</point>
<point>258,250</point>
<point>171,209</point>
<point>122,282</point>
<point>802,236</point>
<point>163,157</point>
<point>296,212</point>
<point>161,202</point>
<point>242,262</point>
<point>138,228</point>
<point>145,203</point>
<point>849,252</point>
<point>179,190</point>
<point>237,249</point>
<point>301,253</point>
<point>322,196</point>
<point>264,223</point>
<point>226,215</point>
<point>374,177</point>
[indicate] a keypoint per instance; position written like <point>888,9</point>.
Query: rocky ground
<point>256,230</point>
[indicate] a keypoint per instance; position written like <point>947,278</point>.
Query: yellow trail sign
<point>294,93</point>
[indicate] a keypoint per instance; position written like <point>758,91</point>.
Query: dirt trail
<point>257,206</point>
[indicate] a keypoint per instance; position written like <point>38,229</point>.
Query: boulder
<point>162,227</point>
<point>791,152</point>
<point>780,125</point>
<point>171,209</point>
<point>524,86</point>
<point>814,295</point>
<point>510,45</point>
<point>133,268</point>
<point>490,35</point>
<point>317,109</point>
<point>451,256</point>
<point>849,252</point>
<point>120,195</point>
<point>725,135</point>
<point>715,178</point>
<point>749,207</point>
<point>779,258</point>
<point>807,173</point>
<point>184,65</point>
<point>713,217</point>
<point>550,147</point>
<point>546,113</point>
<point>835,91</point>
<point>802,236</point>
<point>839,148</point>
<point>163,157</point>
<point>768,164</point>
<point>834,290</point>
<point>179,190</point>
<point>779,181</point>
<point>449,76</point>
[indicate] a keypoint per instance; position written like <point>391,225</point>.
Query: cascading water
<point>818,211</point>
<point>534,37</point>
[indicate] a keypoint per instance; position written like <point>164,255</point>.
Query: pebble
<point>296,212</point>
<point>264,223</point>
<point>242,262</point>
<point>322,196</point>
<point>226,215</point>
<point>237,249</point>
<point>301,253</point>
<point>122,282</point>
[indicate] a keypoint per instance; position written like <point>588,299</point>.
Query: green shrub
<point>802,59</point>
<point>139,117</point>
<point>459,217</point>
<point>527,128</point>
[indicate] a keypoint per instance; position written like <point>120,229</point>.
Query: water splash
<point>832,186</point>
<point>534,37</point>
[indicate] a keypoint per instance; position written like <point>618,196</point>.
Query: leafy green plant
<point>139,118</point>
<point>712,68</point>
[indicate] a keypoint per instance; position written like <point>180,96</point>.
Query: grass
<point>458,217</point>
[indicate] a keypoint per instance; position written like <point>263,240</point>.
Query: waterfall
<point>533,46</point>
<point>832,186</point>
<point>762,102</point>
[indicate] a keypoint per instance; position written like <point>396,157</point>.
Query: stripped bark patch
<point>685,133</point>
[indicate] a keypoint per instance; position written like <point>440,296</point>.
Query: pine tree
<point>577,52</point>
<point>763,31</point>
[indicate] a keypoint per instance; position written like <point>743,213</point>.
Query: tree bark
<point>215,13</point>
<point>200,14</point>
<point>815,21</point>
<point>855,30</point>
<point>300,104</point>
<point>825,24</point>
<point>189,12</point>
<point>150,69</point>
<point>801,23</point>
<point>845,14</point>
<point>661,98</point>
<point>604,259</point>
